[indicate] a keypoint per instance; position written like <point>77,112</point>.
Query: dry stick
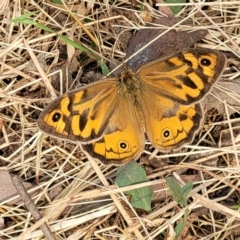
<point>112,195</point>
<point>80,23</point>
<point>214,24</point>
<point>40,70</point>
<point>31,207</point>
<point>172,168</point>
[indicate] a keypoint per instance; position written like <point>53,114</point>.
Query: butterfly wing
<point>173,86</point>
<point>96,114</point>
<point>123,138</point>
<point>186,76</point>
<point>169,126</point>
<point>81,114</point>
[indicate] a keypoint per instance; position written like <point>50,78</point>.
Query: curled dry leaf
<point>115,29</point>
<point>91,76</point>
<point>172,41</point>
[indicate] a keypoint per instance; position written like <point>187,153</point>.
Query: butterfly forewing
<point>82,114</point>
<point>184,77</point>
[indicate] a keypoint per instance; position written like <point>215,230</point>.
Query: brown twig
<point>31,207</point>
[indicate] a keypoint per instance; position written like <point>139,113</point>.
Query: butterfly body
<point>111,117</point>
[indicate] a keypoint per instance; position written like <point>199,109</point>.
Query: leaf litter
<point>77,197</point>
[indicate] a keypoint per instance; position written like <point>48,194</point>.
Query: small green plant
<point>130,174</point>
<point>180,195</point>
<point>177,8</point>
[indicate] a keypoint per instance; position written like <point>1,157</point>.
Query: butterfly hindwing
<point>168,126</point>
<point>123,139</point>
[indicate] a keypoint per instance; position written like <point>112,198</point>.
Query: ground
<point>57,48</point>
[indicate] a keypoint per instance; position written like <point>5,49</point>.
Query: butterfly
<point>111,117</point>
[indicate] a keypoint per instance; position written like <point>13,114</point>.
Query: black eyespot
<point>166,133</point>
<point>56,116</point>
<point>123,145</point>
<point>205,62</point>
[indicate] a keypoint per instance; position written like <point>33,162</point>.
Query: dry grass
<point>77,197</point>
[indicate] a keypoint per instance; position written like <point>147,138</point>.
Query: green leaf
<point>187,189</point>
<point>104,67</point>
<point>175,189</point>
<point>131,174</point>
<point>24,16</point>
<point>87,20</point>
<point>180,194</point>
<point>57,1</point>
<point>178,229</point>
<point>177,8</point>
<point>236,207</point>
